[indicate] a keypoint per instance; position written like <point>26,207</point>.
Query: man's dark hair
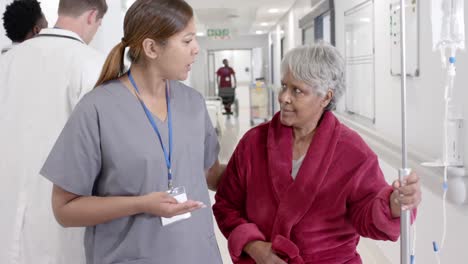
<point>20,17</point>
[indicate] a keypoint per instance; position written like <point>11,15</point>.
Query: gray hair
<point>320,66</point>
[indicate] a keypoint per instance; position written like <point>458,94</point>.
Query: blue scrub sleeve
<point>75,160</point>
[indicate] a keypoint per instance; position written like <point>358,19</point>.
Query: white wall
<point>199,73</point>
<point>287,27</point>
<point>276,37</point>
<point>290,22</point>
<point>111,31</point>
<point>258,67</point>
<point>4,41</point>
<point>50,9</point>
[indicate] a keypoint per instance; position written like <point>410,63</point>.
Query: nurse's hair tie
<point>124,42</point>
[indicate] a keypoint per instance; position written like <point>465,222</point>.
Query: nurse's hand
<point>262,253</point>
<point>163,204</point>
<point>406,197</point>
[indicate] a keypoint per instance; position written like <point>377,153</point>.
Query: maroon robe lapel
<point>295,197</point>
<point>279,145</point>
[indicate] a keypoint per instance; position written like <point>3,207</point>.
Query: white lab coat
<point>41,80</point>
<point>9,47</point>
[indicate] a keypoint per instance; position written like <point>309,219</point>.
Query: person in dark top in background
<point>226,86</point>
<point>23,19</point>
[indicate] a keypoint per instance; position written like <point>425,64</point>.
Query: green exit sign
<point>219,33</point>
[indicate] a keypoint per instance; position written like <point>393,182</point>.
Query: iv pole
<point>404,171</point>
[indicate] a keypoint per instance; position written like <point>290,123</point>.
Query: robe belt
<point>287,250</point>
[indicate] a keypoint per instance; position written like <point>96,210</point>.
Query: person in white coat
<point>41,81</point>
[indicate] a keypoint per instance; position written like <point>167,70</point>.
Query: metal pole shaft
<point>405,216</point>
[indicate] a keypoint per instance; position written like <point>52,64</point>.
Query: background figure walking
<point>226,87</point>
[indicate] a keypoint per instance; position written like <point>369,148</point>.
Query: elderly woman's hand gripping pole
<point>406,196</point>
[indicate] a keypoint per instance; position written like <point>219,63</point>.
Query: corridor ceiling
<point>241,17</point>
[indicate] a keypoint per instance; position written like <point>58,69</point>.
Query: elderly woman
<point>303,187</point>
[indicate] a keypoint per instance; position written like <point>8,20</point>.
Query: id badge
<point>181,196</point>
<point>227,79</point>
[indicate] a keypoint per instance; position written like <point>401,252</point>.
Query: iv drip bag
<point>448,25</point>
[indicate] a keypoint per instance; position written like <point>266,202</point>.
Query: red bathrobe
<point>339,194</point>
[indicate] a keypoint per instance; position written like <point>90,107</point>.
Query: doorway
<point>239,60</point>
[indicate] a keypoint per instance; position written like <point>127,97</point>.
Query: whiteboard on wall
<point>412,38</point>
<point>359,56</point>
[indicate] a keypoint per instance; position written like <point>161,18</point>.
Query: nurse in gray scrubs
<point>135,160</point>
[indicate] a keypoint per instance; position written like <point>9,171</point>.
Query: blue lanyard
<point>167,155</point>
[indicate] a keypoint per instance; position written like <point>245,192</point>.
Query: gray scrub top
<point>108,148</point>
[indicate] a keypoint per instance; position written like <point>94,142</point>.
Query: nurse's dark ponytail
<point>154,19</point>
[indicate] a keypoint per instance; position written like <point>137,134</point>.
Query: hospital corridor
<point>233,132</point>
